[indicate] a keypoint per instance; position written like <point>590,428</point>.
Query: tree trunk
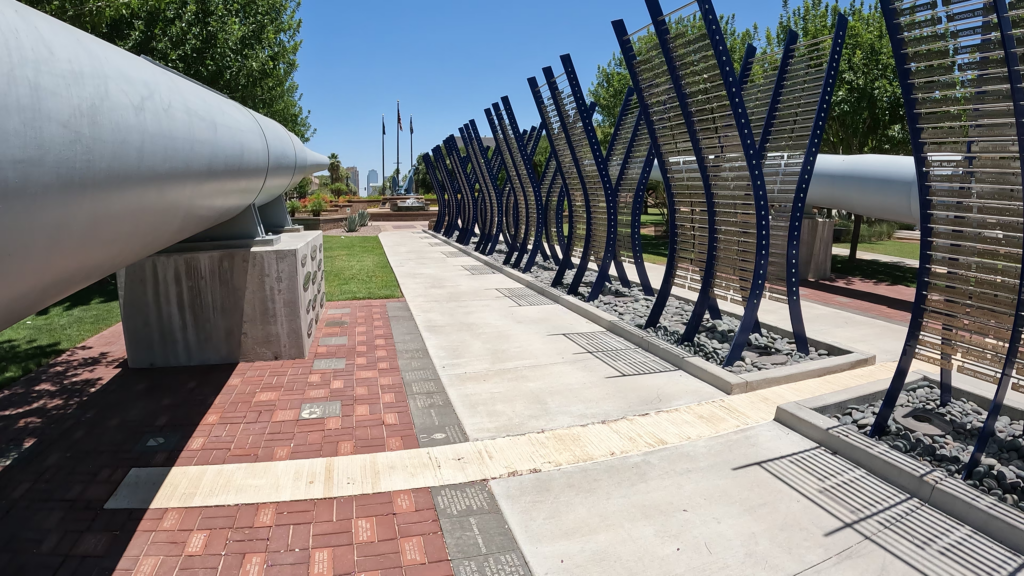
<point>856,237</point>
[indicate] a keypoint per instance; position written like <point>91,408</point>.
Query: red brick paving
<point>866,297</point>
<point>84,417</point>
<point>390,534</point>
<point>256,416</point>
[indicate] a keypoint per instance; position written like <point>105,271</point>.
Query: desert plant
<point>352,223</point>
<point>293,206</point>
<point>317,206</point>
<point>364,217</point>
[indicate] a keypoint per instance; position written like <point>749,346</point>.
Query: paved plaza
<point>467,428</point>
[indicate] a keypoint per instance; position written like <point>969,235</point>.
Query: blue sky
<point>447,60</point>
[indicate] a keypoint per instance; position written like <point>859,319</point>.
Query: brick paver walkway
<point>257,417</point>
<point>868,297</point>
<point>82,422</point>
<point>391,534</point>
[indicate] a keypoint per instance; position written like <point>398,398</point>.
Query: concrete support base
<point>201,304</point>
<point>816,249</point>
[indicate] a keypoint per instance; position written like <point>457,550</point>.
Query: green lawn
<point>357,269</point>
<point>887,247</point>
<point>55,329</point>
<point>652,219</point>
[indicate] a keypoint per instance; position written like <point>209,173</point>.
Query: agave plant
<point>352,223</point>
<point>364,217</point>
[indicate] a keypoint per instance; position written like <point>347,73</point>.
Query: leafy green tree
<point>612,79</point>
<point>245,50</point>
<point>423,184</point>
<point>301,190</point>
<point>867,108</point>
<point>334,168</point>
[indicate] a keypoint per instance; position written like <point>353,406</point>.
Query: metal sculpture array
<point>959,71</point>
<point>736,153</point>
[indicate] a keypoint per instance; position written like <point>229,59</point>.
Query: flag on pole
<point>410,125</point>
<point>383,129</point>
<point>399,115</point>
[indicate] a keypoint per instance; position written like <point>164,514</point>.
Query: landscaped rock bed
<point>764,351</point>
<point>948,439</point>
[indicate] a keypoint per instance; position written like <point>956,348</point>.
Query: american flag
<point>399,116</point>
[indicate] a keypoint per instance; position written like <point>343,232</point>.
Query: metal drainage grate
<point>437,244</point>
<point>454,254</point>
<point>599,341</point>
<point>525,297</point>
<point>479,270</point>
<point>634,362</point>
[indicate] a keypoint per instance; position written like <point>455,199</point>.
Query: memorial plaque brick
<point>502,564</point>
<point>462,500</point>
<point>313,410</point>
<point>336,323</point>
<point>334,341</point>
<point>329,364</point>
<point>477,535</point>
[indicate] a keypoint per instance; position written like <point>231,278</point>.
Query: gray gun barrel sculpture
<point>107,158</point>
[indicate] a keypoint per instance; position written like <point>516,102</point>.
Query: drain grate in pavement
<point>599,341</point>
<point>525,297</point>
<point>454,254</point>
<point>436,244</point>
<point>634,362</point>
<point>479,270</point>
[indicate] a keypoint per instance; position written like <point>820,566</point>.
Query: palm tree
<point>334,168</point>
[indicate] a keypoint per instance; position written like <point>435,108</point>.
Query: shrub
<point>352,223</point>
<point>317,206</point>
<point>293,206</point>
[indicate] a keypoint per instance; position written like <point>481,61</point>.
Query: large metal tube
<point>872,185</point>
<point>106,158</point>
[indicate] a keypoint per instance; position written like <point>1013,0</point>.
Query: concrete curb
<point>842,358</point>
<point>948,495</point>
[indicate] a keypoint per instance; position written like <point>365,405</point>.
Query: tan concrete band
<point>231,484</point>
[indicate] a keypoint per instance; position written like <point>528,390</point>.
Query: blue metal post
<point>439,220</point>
<point>629,57</point>
<point>708,277</point>
<point>537,217</point>
<point>601,164</point>
<point>899,377</point>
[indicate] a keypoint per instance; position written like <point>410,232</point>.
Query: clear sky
<point>447,60</point>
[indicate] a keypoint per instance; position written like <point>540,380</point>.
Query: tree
<point>301,190</point>
<point>334,168</point>
<point>245,50</point>
<point>611,81</point>
<point>423,184</point>
<point>867,114</point>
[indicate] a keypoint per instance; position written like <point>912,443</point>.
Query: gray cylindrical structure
<point>106,158</point>
<point>872,185</point>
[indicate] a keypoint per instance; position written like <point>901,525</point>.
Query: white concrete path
<point>762,500</point>
<point>509,369</point>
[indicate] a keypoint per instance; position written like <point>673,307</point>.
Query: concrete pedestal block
<point>816,249</point>
<point>205,304</point>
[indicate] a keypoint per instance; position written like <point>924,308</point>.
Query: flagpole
<point>382,133</point>
<point>398,142</point>
<point>411,165</point>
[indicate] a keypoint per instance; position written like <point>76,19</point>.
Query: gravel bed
<point>764,351</point>
<point>1001,472</point>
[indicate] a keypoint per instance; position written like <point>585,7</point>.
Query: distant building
<point>353,177</point>
<point>371,178</point>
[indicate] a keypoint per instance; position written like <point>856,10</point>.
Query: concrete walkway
<point>758,499</point>
<point>510,369</point>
